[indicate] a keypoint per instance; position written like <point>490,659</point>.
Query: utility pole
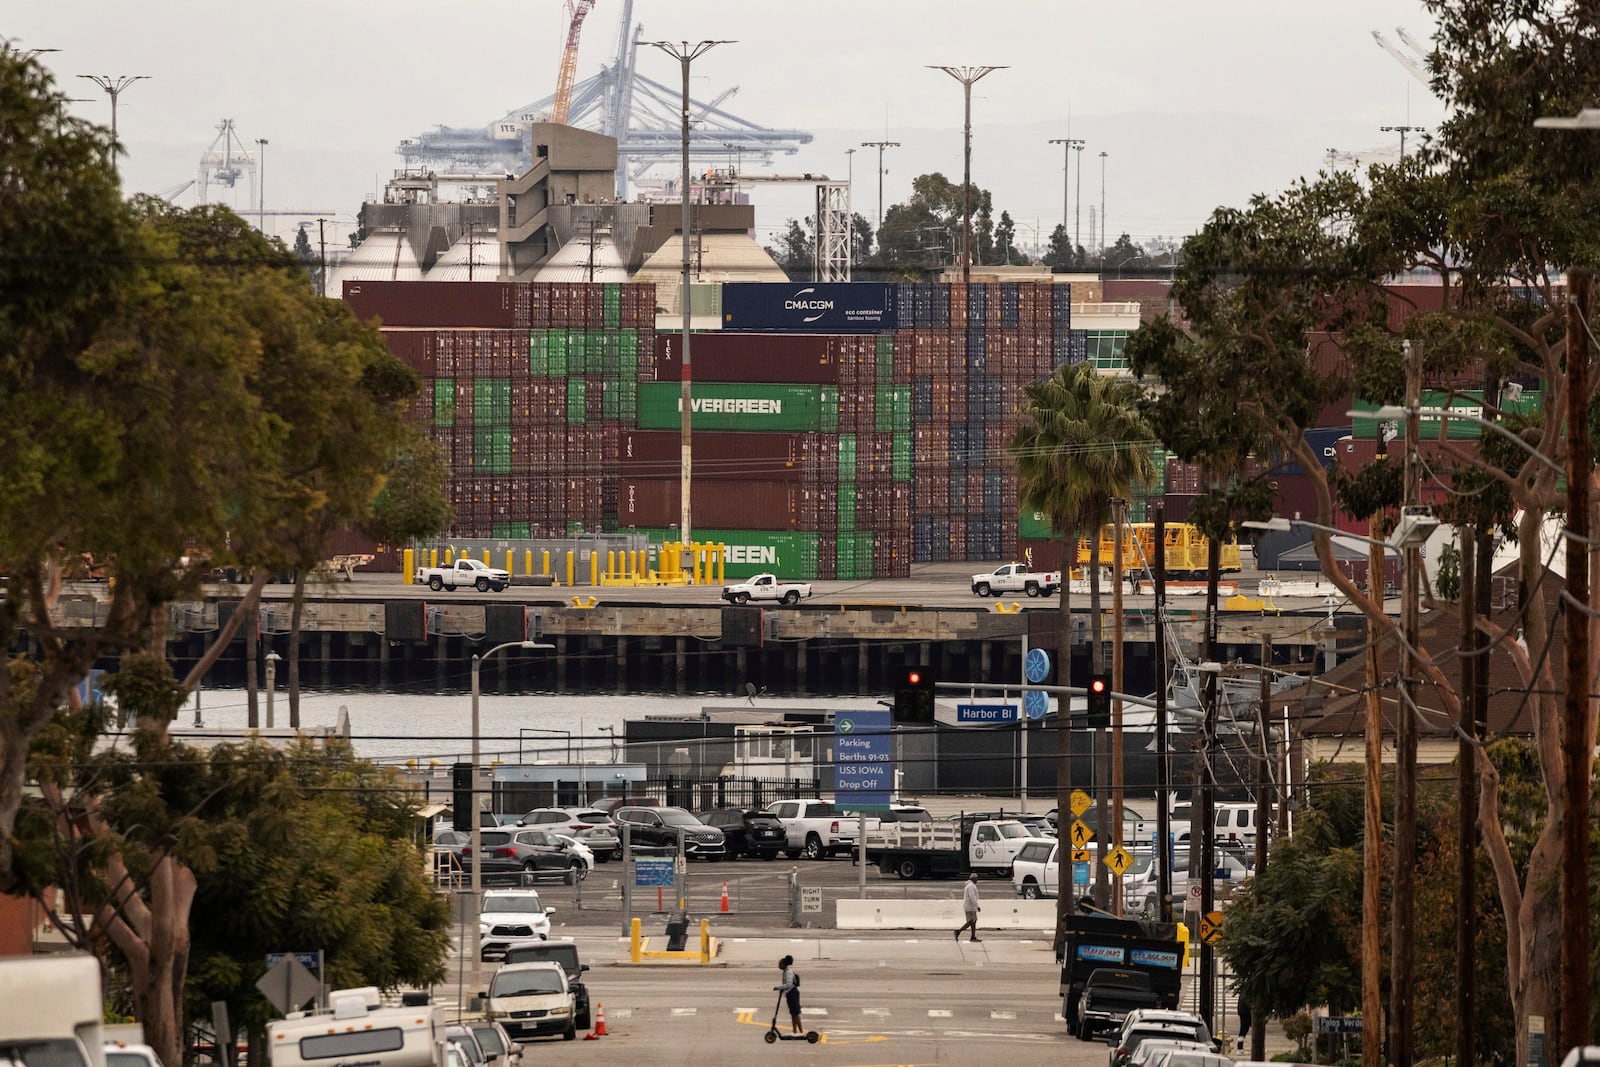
<point>1208,785</point>
<point>114,85</point>
<point>1577,734</point>
<point>967,76</point>
<point>1402,131</point>
<point>1402,939</point>
<point>685,55</point>
<point>1372,823</point>
<point>1265,797</point>
<point>880,146</point>
<point>1163,846</point>
<point>1467,808</point>
<point>1077,222</point>
<point>1067,145</point>
<point>1118,507</point>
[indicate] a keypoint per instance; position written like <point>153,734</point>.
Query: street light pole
<point>880,146</point>
<point>474,912</point>
<point>967,76</point>
<point>1067,145</point>
<point>685,55</point>
<point>1077,218</point>
<point>261,185</point>
<point>114,85</point>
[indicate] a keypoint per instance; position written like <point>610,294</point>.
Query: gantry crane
<point>576,10</point>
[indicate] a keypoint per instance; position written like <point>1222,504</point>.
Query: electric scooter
<point>774,1034</point>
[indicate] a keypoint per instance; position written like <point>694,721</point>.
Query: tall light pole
<point>1105,231</point>
<point>114,85</point>
<point>1077,220</point>
<point>880,146</point>
<point>685,55</point>
<point>966,76</point>
<point>261,186</point>
<point>1067,145</point>
<point>474,933</point>
<point>1402,131</point>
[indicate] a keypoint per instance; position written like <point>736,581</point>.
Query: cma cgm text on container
<point>817,307</point>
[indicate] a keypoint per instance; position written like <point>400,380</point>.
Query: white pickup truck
<point>465,571</point>
<point>814,828</point>
<point>766,587</point>
<point>1016,578</point>
<point>948,848</point>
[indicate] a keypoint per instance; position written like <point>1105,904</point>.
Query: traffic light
<point>913,697</point>
<point>1098,716</point>
<point>463,806</point>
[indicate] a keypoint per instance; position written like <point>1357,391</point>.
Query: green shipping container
<point>577,399</point>
<point>538,354</point>
<point>1033,526</point>
<point>491,401</point>
<point>736,406</point>
<point>1469,402</point>
<point>847,457</point>
<point>444,402</point>
<point>902,457</point>
<point>788,554</point>
<point>611,303</point>
<point>893,413</point>
<point>500,529</point>
<point>578,352</point>
<point>628,346</point>
<point>885,359</point>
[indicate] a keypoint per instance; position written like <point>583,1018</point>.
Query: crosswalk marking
<point>997,1015</point>
<point>685,1011</point>
<point>938,1013</point>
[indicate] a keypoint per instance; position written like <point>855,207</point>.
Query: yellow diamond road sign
<point>1080,855</point>
<point>1211,927</point>
<point>1080,802</point>
<point>1081,834</point>
<point>1118,860</point>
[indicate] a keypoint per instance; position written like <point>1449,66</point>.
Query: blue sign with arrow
<point>863,760</point>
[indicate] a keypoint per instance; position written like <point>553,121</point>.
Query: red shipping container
<point>756,506</point>
<point>717,356</point>
<point>417,349</point>
<point>480,304</point>
<point>724,455</point>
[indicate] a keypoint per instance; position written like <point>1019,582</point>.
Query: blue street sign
<point>1338,1024</point>
<point>653,871</point>
<point>988,713</point>
<point>1036,665</point>
<point>1036,704</point>
<point>863,760</point>
<point>308,960</point>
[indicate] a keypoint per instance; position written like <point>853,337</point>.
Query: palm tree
<point>1081,442</point>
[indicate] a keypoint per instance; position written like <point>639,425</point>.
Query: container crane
<point>1415,69</point>
<point>576,11</point>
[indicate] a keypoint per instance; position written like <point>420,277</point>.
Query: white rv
<point>356,1028</point>
<point>53,1011</point>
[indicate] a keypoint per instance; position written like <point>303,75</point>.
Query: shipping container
<point>720,356</point>
<point>809,307</point>
<point>786,553</point>
<point>723,455</point>
<point>488,305</point>
<point>730,406</point>
<point>766,505</point>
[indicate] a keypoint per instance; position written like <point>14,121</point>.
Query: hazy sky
<point>1195,104</point>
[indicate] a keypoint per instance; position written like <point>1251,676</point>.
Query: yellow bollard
<point>611,565</point>
<point>433,557</point>
<point>695,552</point>
<point>705,940</point>
<point>449,556</point>
<point>571,574</point>
<point>486,560</point>
<point>634,946</point>
<point>545,556</point>
<point>527,562</point>
<point>594,568</point>
<point>722,564</point>
<point>409,565</point>
<point>510,557</point>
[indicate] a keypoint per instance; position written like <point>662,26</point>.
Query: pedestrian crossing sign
<point>1118,860</point>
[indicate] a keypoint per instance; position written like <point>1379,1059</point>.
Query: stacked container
<point>527,388</point>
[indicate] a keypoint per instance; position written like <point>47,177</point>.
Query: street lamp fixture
<point>1587,119</point>
<point>474,933</point>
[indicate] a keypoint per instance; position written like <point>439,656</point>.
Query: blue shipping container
<point>814,307</point>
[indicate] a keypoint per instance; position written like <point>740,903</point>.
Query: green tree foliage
<point>1005,236</point>
<point>306,256</point>
<point>1063,255</point>
<point>860,238</point>
<point>1124,255</point>
<point>926,230</point>
<point>262,848</point>
<point>796,251</point>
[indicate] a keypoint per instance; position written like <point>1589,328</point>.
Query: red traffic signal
<point>913,677</point>
<point>1098,711</point>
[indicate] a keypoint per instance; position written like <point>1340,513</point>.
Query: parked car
<point>748,833</point>
<point>553,854</point>
<point>1154,1024</point>
<point>497,1043</point>
<point>576,848</point>
<point>1150,1053</point>
<point>660,827</point>
<point>509,917</point>
<point>564,952</point>
<point>452,841</point>
<point>504,854</point>
<point>1139,896</point>
<point>532,999</point>
<point>127,1054</point>
<point>593,827</point>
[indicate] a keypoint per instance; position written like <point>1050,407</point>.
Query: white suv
<point>530,999</point>
<point>1157,1024</point>
<point>509,917</point>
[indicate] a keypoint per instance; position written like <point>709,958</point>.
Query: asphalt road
<point>904,997</point>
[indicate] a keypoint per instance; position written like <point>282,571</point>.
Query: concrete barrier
<point>998,914</point>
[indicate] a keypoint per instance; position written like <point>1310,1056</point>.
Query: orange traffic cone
<point>599,1030</point>
<point>724,909</point>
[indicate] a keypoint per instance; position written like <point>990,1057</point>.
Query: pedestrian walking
<point>790,988</point>
<point>969,904</point>
<point>1244,1020</point>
